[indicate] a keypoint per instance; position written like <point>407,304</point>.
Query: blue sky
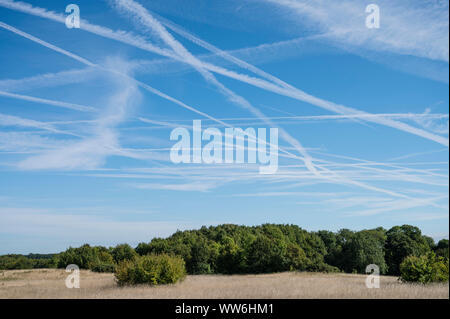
<point>86,116</point>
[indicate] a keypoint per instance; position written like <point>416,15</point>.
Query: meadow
<point>50,283</point>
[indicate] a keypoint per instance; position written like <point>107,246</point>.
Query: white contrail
<point>10,120</point>
<point>50,46</point>
<point>49,102</point>
<point>398,172</point>
<point>339,179</point>
<point>414,154</point>
<point>407,116</point>
<point>92,151</point>
<point>298,94</point>
<point>336,108</point>
<point>294,93</point>
<point>189,127</point>
<point>121,36</point>
<point>83,60</point>
<point>137,11</point>
<point>231,58</point>
<point>335,177</point>
<point>346,181</point>
<point>141,84</point>
<point>208,46</point>
<point>48,79</point>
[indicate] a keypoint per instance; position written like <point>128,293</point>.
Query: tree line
<point>234,249</point>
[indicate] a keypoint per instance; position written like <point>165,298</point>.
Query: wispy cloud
<point>417,28</point>
<point>92,151</point>
<point>400,205</point>
<point>26,142</point>
<point>431,125</point>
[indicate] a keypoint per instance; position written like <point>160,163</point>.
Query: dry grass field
<point>50,283</point>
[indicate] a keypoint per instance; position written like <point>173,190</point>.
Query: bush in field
<point>151,269</point>
<point>424,269</point>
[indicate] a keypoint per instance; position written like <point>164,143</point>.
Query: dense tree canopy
<point>354,251</point>
<point>404,241</point>
<point>233,249</point>
<point>241,249</point>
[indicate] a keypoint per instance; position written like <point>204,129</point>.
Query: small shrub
<point>424,269</point>
<point>151,269</point>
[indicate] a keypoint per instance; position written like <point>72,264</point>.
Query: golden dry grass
<point>50,283</point>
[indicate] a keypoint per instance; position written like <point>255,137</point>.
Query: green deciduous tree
<point>401,242</point>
